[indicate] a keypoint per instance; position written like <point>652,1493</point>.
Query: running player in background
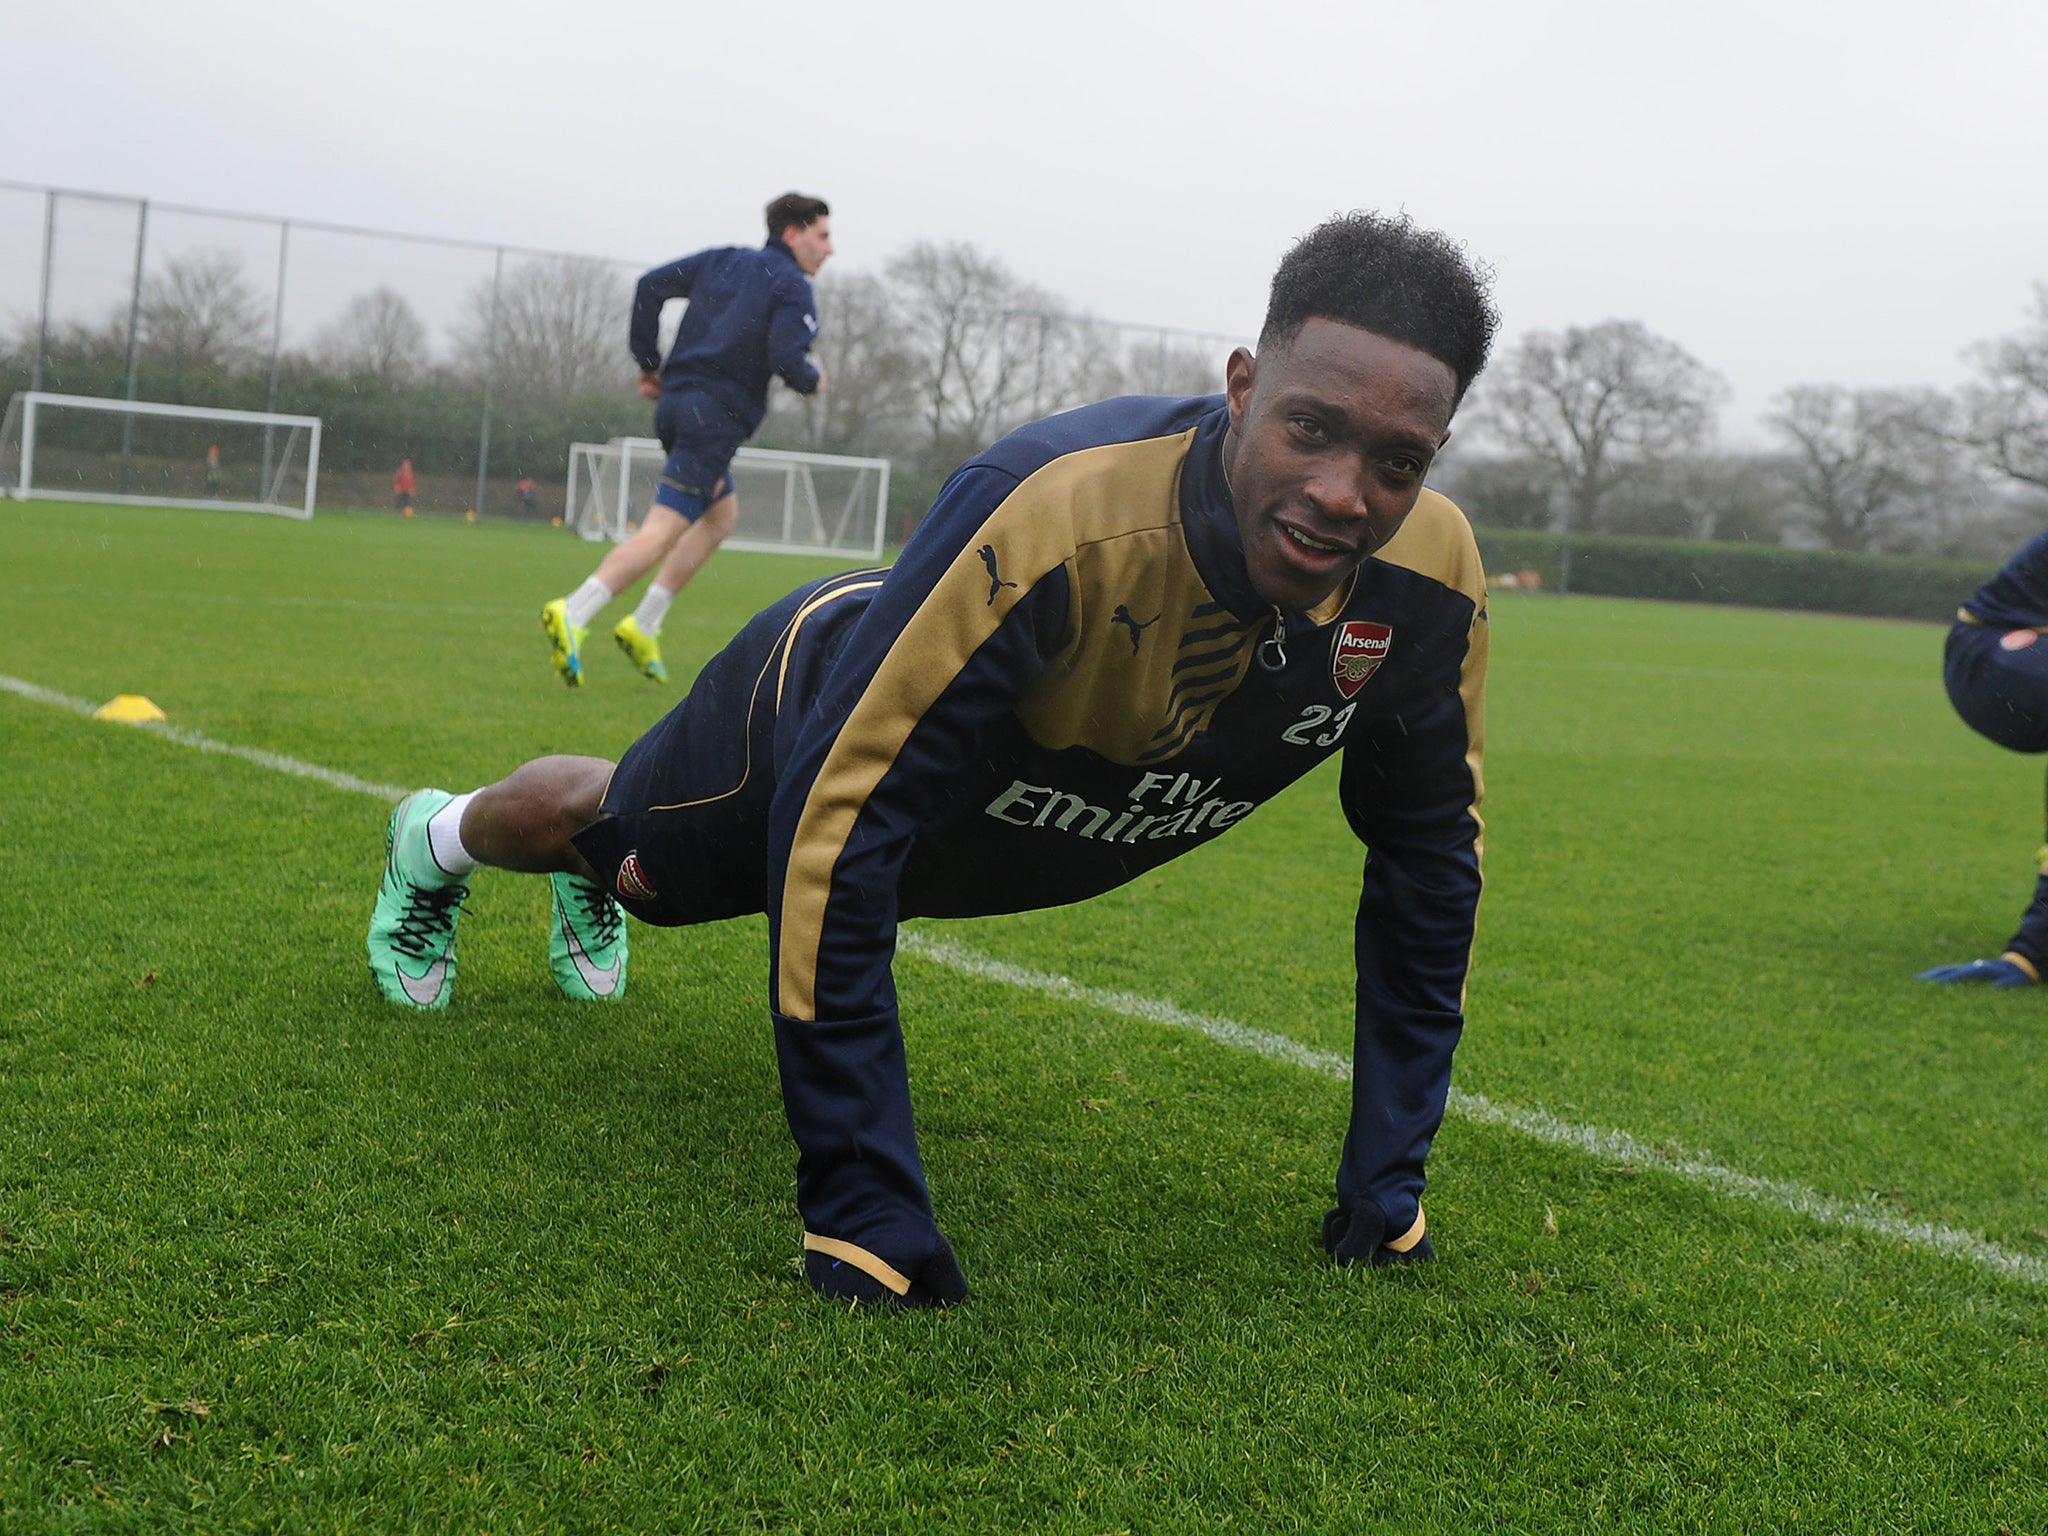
<point>1996,669</point>
<point>751,317</point>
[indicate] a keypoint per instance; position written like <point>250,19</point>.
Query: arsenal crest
<point>1359,649</point>
<point>633,881</point>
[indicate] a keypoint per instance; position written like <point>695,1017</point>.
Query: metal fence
<point>130,298</point>
<point>481,362</point>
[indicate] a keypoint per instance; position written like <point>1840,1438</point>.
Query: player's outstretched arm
<point>1410,790</point>
<point>2006,971</point>
<point>943,651</point>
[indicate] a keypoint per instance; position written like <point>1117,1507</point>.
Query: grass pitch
<point>274,1256</point>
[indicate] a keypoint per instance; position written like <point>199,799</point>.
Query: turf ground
<point>1741,1228</point>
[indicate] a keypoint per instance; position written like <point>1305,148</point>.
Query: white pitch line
<point>184,738</point>
<point>1617,1147</point>
<point>1607,1146</point>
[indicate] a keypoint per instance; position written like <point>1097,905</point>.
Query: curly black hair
<point>1393,278</point>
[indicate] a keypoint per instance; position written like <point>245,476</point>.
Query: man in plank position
<point>1116,633</point>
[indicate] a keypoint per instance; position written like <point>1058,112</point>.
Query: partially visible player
<point>1115,634</point>
<point>751,317</point>
<point>1996,669</point>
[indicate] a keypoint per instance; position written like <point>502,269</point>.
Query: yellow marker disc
<point>128,708</point>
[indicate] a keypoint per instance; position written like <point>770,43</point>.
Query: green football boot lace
<point>641,648</point>
<point>412,930</point>
<point>565,641</point>
<point>587,942</point>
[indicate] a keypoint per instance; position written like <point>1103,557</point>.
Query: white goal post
<point>790,503</point>
<point>85,448</point>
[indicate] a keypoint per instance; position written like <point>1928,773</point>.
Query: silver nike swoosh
<point>423,989</point>
<point>603,980</point>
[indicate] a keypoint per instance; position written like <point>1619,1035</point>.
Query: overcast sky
<point>1794,190</point>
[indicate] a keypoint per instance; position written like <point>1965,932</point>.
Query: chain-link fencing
<point>482,363</point>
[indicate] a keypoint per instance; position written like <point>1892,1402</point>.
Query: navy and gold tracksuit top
<point>1066,680</point>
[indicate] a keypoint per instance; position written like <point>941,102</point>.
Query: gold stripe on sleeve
<point>965,606</point>
<point>1437,542</point>
<point>860,1259</point>
<point>1407,1240</point>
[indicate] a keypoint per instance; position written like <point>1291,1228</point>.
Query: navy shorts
<point>1998,681</point>
<point>700,437</point>
<point>683,837</point>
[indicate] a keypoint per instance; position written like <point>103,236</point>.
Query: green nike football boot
<point>412,931</point>
<point>641,648</point>
<point>587,942</point>
<point>565,641</point>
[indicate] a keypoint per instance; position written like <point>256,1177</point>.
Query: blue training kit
<point>1066,680</point>
<point>751,317</point>
<point>1995,666</point>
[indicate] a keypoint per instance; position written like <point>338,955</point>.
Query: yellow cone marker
<point>129,709</point>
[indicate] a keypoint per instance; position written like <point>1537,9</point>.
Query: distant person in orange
<point>403,485</point>
<point>528,493</point>
<point>213,476</point>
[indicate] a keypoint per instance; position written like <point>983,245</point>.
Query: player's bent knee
<point>662,527</point>
<point>721,518</point>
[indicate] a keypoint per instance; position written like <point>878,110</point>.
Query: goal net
<point>79,448</point>
<point>790,503</point>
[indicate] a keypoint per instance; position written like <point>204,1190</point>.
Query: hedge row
<point>1755,576</point>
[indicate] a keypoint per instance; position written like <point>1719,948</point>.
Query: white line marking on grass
<point>173,595</point>
<point>1539,1125</point>
<point>184,738</point>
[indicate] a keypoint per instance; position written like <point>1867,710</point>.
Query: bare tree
<point>1061,360</point>
<point>556,331</point>
<point>2006,410</point>
<point>378,339</point>
<point>199,312</point>
<point>1596,402</point>
<point>986,348</point>
<point>1733,498</point>
<point>872,404</point>
<point>1867,464</point>
<point>1497,490</point>
<point>1161,365</point>
<point>73,340</point>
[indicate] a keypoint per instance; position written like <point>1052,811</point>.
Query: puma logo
<point>1136,625</point>
<point>995,579</point>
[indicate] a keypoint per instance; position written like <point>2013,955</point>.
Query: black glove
<point>1357,1237</point>
<point>938,1284</point>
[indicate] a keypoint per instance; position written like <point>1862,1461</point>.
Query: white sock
<point>444,838</point>
<point>653,608</point>
<point>587,601</point>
